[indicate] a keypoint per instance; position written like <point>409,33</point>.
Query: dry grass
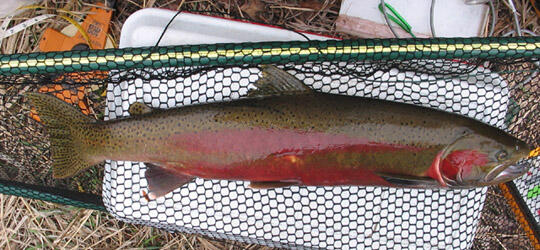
<point>498,227</point>
<point>31,224</point>
<point>26,223</point>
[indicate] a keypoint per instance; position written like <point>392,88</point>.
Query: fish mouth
<point>503,173</point>
<point>499,174</point>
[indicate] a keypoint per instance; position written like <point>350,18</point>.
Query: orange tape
<point>96,25</point>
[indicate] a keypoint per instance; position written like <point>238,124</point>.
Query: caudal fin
<point>64,125</point>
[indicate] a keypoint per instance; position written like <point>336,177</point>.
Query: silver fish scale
<point>312,217</point>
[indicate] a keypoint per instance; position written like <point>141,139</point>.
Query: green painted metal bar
<point>269,53</point>
<point>52,194</point>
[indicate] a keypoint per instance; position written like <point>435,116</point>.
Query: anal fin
<point>162,180</point>
<point>269,184</point>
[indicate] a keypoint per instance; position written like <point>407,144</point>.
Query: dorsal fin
<point>275,81</point>
<point>139,108</point>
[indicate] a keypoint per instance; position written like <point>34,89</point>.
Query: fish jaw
<point>509,173</point>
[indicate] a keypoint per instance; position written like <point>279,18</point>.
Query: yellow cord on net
<point>81,30</point>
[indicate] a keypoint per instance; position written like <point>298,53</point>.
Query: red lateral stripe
<point>289,169</point>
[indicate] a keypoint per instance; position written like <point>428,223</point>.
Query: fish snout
<point>507,174</point>
<point>475,177</point>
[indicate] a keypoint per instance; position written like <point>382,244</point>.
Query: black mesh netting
<point>493,80</point>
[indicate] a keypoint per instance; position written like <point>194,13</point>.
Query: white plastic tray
<point>144,27</point>
<point>325,217</point>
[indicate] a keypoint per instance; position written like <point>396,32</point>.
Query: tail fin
<point>63,123</point>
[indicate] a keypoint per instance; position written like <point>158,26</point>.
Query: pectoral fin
<point>410,181</point>
<point>269,184</point>
<point>162,180</point>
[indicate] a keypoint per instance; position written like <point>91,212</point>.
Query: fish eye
<point>501,155</point>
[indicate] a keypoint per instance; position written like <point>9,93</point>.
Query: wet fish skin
<point>224,129</point>
<point>303,139</point>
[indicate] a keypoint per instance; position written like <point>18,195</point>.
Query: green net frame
<point>506,48</point>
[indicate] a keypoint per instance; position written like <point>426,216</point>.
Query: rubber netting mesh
<point>493,80</point>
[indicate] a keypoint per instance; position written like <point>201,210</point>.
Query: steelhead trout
<point>286,134</point>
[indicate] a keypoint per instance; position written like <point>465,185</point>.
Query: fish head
<point>476,160</point>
